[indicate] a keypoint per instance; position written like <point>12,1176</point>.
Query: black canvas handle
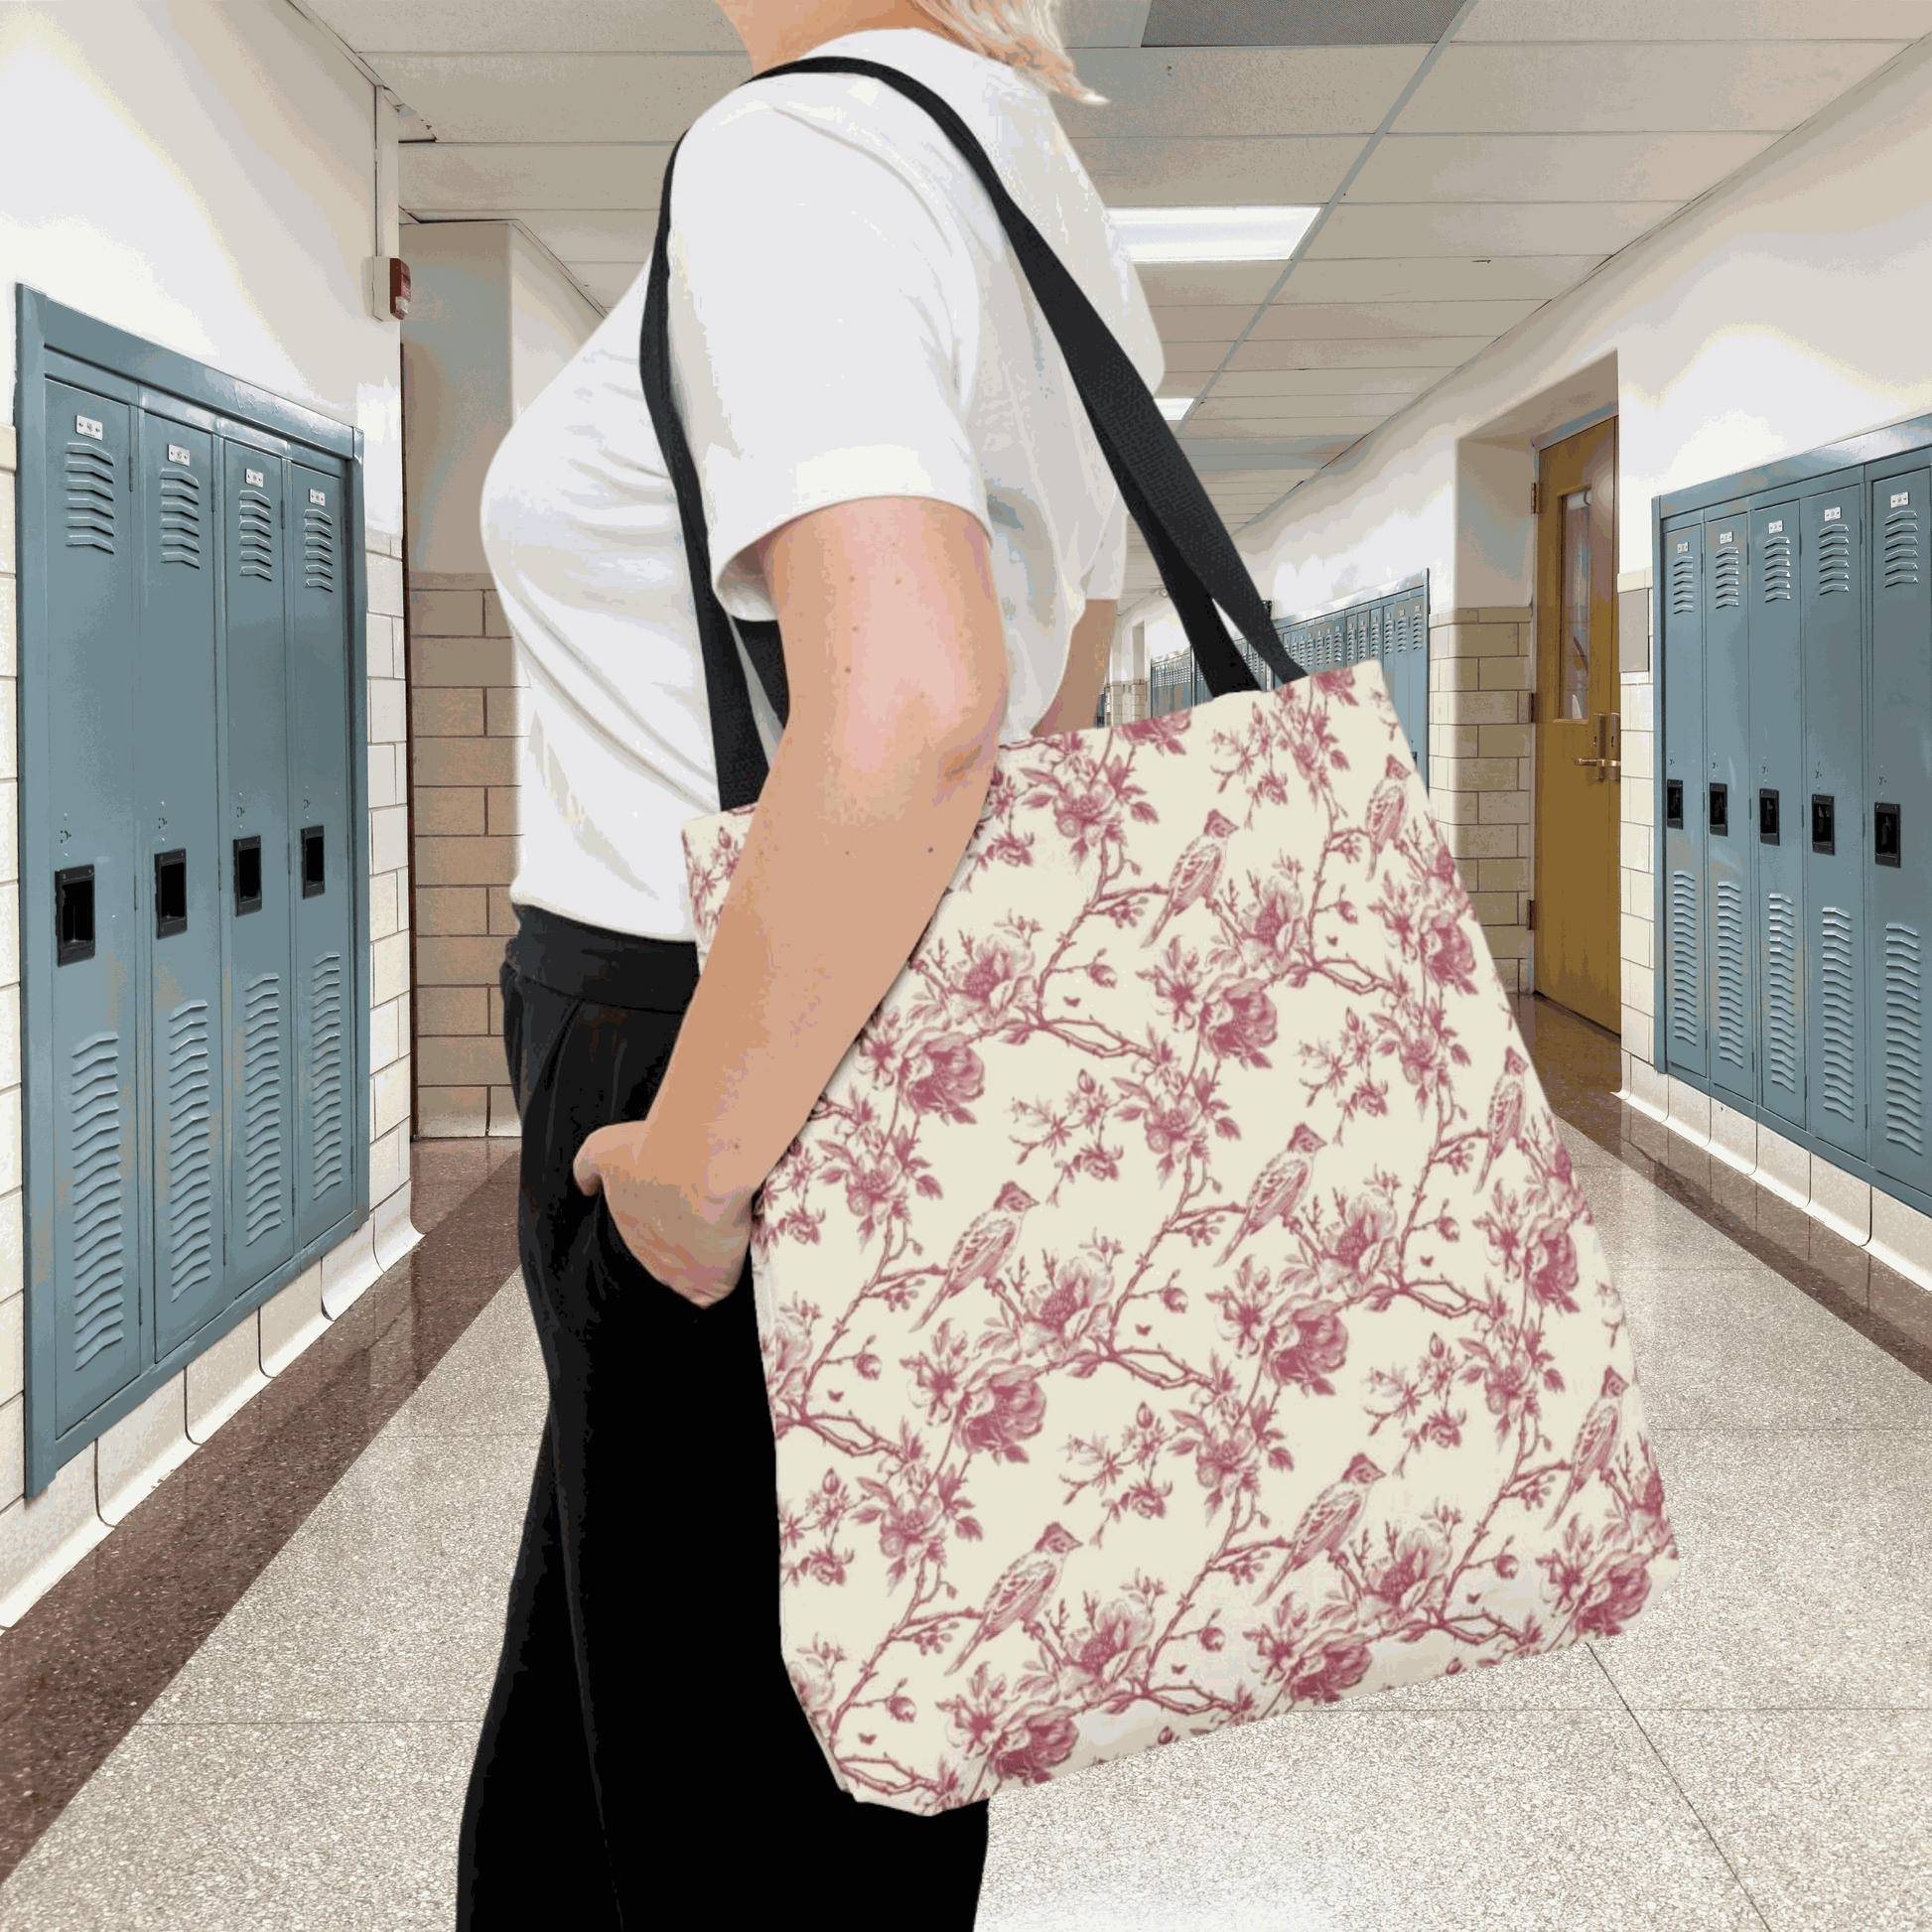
<point>1197,560</point>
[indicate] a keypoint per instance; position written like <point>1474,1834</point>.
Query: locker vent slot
<point>1781,993</point>
<point>1728,580</point>
<point>1904,1102</point>
<point>1777,568</point>
<point>1837,1040</point>
<point>191,1162</point>
<point>261,1088</point>
<point>326,1070</point>
<point>257,536</point>
<point>95,1107</point>
<point>1834,560</point>
<point>1728,914</point>
<point>1901,548</point>
<point>1686,1024</point>
<point>317,550</point>
<point>90,498</point>
<point>1684,587</point>
<point>181,518</point>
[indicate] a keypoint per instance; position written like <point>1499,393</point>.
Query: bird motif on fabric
<point>1197,872</point>
<point>1505,1111</point>
<point>983,1250</point>
<point>1279,1188</point>
<point>1382,816</point>
<point>1595,1447</point>
<point>1329,1518</point>
<point>1023,1590</point>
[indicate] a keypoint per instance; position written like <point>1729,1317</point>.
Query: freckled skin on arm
<point>895,656</point>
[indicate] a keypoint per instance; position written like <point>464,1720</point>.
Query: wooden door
<point>1577,937</point>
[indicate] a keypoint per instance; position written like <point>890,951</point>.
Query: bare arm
<point>1078,697</point>
<point>895,656</point>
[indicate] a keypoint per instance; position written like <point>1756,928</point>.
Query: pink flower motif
<point>1239,1021</point>
<point>1060,1317</point>
<point>911,1533</point>
<point>1226,1459</point>
<point>1446,954</point>
<point>1037,1742</point>
<point>1361,1248</point>
<point>1336,1666</point>
<point>945,1075</point>
<point>994,976</point>
<point>825,1565</point>
<point>1552,1266</point>
<point>1108,1652</point>
<point>1002,1410</point>
<point>1420,1560</point>
<point>1615,1595</point>
<point>1309,1344</point>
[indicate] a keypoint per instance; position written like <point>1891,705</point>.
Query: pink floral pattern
<point>1179,1306</point>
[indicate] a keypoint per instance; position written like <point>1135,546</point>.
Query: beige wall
<point>499,320</point>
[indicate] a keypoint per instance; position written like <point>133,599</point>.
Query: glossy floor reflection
<point>1755,1753</point>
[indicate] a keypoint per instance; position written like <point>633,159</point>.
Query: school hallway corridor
<point>256,1707</point>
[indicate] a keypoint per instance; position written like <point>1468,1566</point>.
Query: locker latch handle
<point>170,893</point>
<point>1884,835</point>
<point>312,877</point>
<point>73,914</point>
<point>247,876</point>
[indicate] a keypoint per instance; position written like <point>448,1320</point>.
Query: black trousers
<point>643,1755</point>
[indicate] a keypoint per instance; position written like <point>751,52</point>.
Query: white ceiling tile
<point>1581,90</point>
<point>1103,22</point>
<point>1324,321</point>
<point>507,176</point>
<point>1229,420</point>
<point>1297,23</point>
<point>1443,278</point>
<point>1281,171</point>
<point>1219,284</point>
<point>1393,386</point>
<point>1551,167</point>
<point>1694,20</point>
<point>1492,229</point>
<point>587,234</point>
<point>560,96</point>
<point>1239,89</point>
<point>516,26</point>
<point>1202,322</point>
<point>1389,351</point>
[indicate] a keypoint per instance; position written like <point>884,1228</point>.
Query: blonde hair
<point>1025,34</point>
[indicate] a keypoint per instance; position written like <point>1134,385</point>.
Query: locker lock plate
<point>1768,816</point>
<point>1823,823</point>
<point>1884,835</point>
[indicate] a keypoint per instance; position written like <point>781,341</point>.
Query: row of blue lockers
<point>1391,628</point>
<point>193,862</point>
<point>1796,803</point>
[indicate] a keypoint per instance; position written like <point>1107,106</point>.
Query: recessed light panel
<point>1212,235</point>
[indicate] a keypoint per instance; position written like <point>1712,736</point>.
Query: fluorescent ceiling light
<point>1174,407</point>
<point>1212,235</point>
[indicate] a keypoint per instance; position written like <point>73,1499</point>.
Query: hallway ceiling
<point>1483,176</point>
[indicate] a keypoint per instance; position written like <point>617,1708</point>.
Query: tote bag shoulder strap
<point>1197,560</point>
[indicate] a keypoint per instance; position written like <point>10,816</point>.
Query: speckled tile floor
<point>1755,1753</point>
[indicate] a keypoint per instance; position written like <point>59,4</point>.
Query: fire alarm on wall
<point>392,289</point>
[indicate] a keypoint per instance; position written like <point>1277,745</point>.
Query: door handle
<point>1608,746</point>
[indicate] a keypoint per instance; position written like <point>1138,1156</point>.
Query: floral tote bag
<point>1179,1306</point>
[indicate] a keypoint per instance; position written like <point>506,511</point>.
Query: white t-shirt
<point>846,321</point>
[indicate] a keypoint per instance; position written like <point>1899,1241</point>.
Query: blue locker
<point>1730,836</point>
<point>1898,819</point>
<point>254,867</point>
<point>1778,817</point>
<point>1832,544</point>
<point>93,991</point>
<point>176,885</point>
<point>321,892</point>
<point>1416,675</point>
<point>1685,807</point>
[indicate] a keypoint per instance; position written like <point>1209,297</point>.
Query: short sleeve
<point>1108,571</point>
<point>823,321</point>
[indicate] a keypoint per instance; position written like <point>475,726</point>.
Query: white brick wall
<point>43,1537</point>
<point>1481,774</point>
<point>468,713</point>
